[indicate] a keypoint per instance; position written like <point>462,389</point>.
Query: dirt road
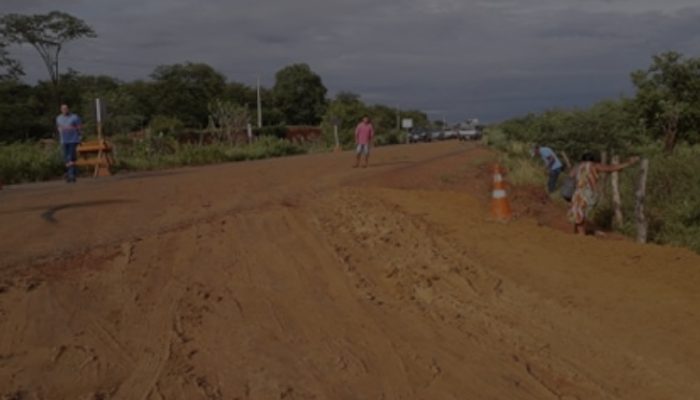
<point>301,278</point>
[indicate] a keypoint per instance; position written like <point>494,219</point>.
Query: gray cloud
<point>490,59</point>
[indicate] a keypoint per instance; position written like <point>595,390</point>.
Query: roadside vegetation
<point>30,162</point>
<point>660,123</point>
<point>182,114</point>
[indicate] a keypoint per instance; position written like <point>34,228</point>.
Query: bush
<point>673,196</point>
<point>496,138</point>
<point>672,204</point>
<point>29,162</point>
<point>390,137</point>
<point>138,158</point>
<point>161,124</point>
<point>524,171</point>
<point>517,158</point>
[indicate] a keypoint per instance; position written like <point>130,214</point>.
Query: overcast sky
<point>488,59</point>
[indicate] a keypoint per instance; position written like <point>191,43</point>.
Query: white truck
<point>469,130</point>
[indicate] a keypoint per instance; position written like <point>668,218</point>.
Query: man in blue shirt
<point>554,166</point>
<point>70,131</point>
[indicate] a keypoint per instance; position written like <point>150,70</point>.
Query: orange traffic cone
<point>500,206</point>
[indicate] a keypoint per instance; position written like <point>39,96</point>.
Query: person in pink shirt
<point>364,136</point>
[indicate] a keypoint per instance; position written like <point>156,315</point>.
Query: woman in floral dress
<point>586,194</point>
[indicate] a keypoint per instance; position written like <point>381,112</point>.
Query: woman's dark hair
<point>588,156</point>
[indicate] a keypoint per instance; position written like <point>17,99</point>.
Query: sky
<point>453,59</point>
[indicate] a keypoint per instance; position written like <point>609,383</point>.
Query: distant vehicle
<point>469,134</point>
<point>419,135</point>
<point>470,130</point>
<point>450,133</point>
<point>437,135</point>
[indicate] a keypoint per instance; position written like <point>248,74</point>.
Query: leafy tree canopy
<point>300,95</point>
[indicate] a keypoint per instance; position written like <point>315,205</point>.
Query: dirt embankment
<point>302,278</point>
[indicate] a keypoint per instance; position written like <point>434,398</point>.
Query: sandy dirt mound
<point>302,278</point>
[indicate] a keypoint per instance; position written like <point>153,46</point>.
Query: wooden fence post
<point>618,219</point>
<point>567,161</point>
<point>603,183</point>
<point>642,225</point>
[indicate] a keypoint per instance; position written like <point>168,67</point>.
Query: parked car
<point>437,135</point>
<point>450,133</point>
<point>469,134</point>
<point>419,135</point>
<point>470,130</point>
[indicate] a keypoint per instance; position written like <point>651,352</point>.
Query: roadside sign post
<point>407,124</point>
<point>97,154</point>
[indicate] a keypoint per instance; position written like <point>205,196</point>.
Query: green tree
<point>247,97</point>
<point>184,91</point>
<point>383,118</point>
<point>45,101</point>
<point>668,98</point>
<point>10,69</point>
<point>241,94</point>
<point>47,33</point>
<point>144,96</point>
<point>18,113</point>
<point>124,113</point>
<point>229,118</point>
<point>300,95</point>
<point>346,110</point>
<point>608,126</point>
<point>162,125</point>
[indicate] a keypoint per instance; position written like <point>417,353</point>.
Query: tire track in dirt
<point>312,291</point>
<point>550,339</point>
<point>166,207</point>
<point>422,266</point>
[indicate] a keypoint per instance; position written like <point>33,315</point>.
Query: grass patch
<point>673,191</point>
<point>146,156</point>
<point>29,162</point>
<point>524,171</point>
<point>32,162</point>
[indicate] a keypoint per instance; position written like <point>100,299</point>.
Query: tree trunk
<point>229,132</point>
<point>671,133</point>
<point>670,140</point>
<point>616,198</point>
<point>56,78</point>
<point>642,224</point>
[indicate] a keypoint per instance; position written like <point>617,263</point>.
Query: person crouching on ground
<point>70,133</point>
<point>553,165</point>
<point>364,136</point>
<point>586,194</point>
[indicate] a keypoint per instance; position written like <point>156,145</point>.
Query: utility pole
<point>98,115</point>
<point>398,118</point>
<point>259,105</point>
